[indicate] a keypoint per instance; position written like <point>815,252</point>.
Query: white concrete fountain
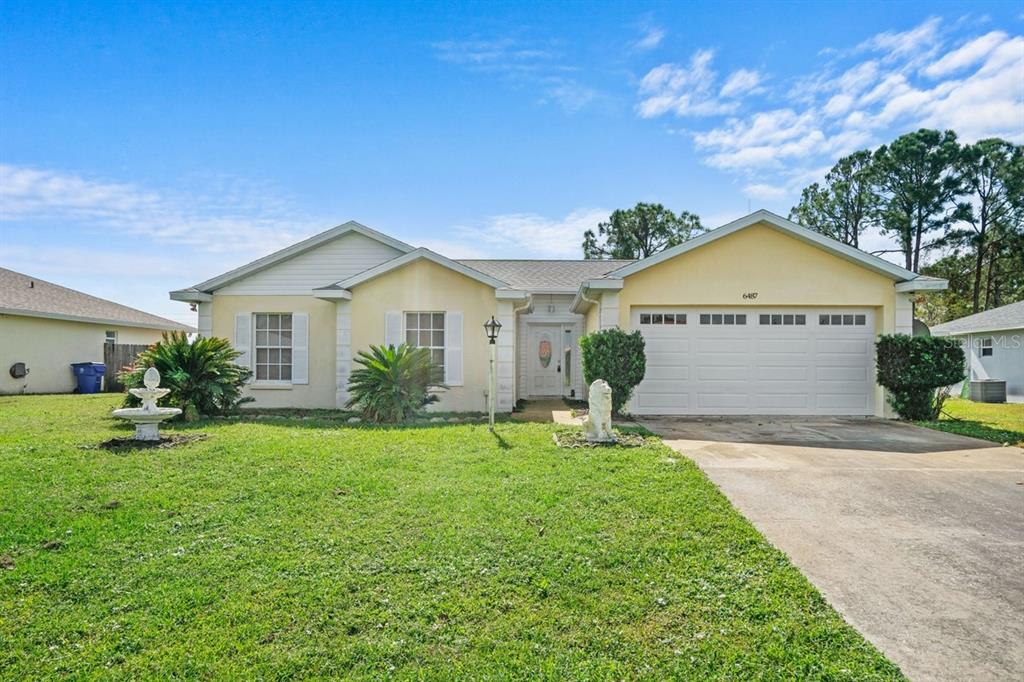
<point>148,417</point>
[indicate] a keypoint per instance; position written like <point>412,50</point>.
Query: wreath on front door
<point>544,353</point>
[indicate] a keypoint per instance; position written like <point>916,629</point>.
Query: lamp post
<point>491,328</point>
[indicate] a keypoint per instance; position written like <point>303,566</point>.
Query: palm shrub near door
<point>202,375</point>
<point>618,358</point>
<point>393,384</point>
<point>916,371</point>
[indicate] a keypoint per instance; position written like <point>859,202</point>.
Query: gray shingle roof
<point>37,298</point>
<point>545,274</point>
<point>1004,317</point>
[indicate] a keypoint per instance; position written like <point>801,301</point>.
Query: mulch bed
<point>164,443</point>
<point>576,439</point>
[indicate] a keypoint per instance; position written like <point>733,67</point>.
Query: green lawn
<point>1000,423</point>
<point>298,548</point>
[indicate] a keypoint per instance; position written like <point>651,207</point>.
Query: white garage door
<point>756,361</point>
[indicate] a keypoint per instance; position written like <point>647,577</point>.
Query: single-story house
<point>47,327</point>
<point>760,316</point>
<point>994,343</point>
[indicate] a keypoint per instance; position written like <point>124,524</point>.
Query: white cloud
<point>651,38</point>
<point>683,90</point>
<point>886,86</point>
<point>528,235</point>
<point>223,215</point>
<point>972,52</point>
<point>742,82</point>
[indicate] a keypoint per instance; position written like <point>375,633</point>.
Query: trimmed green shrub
<point>202,375</point>
<point>913,367</point>
<point>393,383</point>
<point>618,358</point>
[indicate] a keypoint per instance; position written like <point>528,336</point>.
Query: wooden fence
<point>116,356</point>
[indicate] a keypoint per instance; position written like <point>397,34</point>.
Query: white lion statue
<point>597,425</point>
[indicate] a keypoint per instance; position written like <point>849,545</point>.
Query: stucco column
<point>609,310</point>
<point>343,349</point>
<point>506,357</point>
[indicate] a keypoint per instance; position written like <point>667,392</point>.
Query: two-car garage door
<point>756,360</point>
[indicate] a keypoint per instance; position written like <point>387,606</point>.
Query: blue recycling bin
<point>89,376</point>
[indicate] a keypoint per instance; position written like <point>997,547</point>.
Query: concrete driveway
<point>915,536</point>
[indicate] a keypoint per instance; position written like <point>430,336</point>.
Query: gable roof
<point>545,276</point>
<point>1004,317</point>
<point>837,248</point>
<point>415,255</point>
<point>194,292</point>
<point>32,297</point>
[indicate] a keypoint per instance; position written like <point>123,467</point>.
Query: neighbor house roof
<point>32,297</point>
<point>997,319</point>
<point>545,275</point>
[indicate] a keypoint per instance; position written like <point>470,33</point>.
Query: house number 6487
<point>750,295</point>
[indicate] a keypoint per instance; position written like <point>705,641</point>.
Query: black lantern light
<point>491,328</point>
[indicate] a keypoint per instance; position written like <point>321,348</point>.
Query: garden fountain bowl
<point>148,417</point>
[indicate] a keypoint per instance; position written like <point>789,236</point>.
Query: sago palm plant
<point>202,375</point>
<point>393,384</point>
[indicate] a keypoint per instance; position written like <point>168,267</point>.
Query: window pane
<point>681,318</point>
<point>741,319</point>
<point>438,320</point>
<point>261,372</point>
<point>261,355</point>
<point>286,373</point>
<point>776,319</point>
<point>670,319</point>
<point>424,320</point>
<point>273,338</point>
<point>847,319</point>
<point>437,357</point>
<point>860,320</point>
<point>412,321</point>
<point>837,319</point>
<point>716,318</point>
<point>286,339</point>
<point>765,319</point>
<point>656,318</point>
<point>801,319</point>
<point>286,321</point>
<point>729,319</point>
<point>823,319</point>
<point>438,339</point>
<point>286,356</point>
<point>787,319</point>
<point>410,337</point>
<point>645,318</point>
<point>261,338</point>
<point>261,321</point>
<point>705,318</point>
<point>274,372</point>
<point>273,356</point>
<point>424,338</point>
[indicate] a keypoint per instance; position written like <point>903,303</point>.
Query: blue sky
<point>148,146</point>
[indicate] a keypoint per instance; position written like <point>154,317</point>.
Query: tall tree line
<point>932,194</point>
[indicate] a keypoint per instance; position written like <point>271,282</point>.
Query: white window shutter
<point>393,334</point>
<point>300,348</point>
<point>243,339</point>
<point>453,349</point>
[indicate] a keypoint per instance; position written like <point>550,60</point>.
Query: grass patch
<point>997,422</point>
<point>304,548</point>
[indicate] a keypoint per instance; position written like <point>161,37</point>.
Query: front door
<point>545,361</point>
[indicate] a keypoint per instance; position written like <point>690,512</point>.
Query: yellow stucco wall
<point>591,317</point>
<point>782,270</point>
<point>319,392</point>
<point>425,286</point>
<point>48,347</point>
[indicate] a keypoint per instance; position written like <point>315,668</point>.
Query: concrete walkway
<point>546,411</point>
<point>914,535</point>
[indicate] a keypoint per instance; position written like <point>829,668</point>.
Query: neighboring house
<point>994,343</point>
<point>758,316</point>
<point>47,327</point>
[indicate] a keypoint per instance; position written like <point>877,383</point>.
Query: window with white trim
<point>723,318</point>
<point>111,337</point>
<point>273,347</point>
<point>843,320</point>
<point>663,318</point>
<point>986,347</point>
<point>426,330</point>
<point>785,319</point>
